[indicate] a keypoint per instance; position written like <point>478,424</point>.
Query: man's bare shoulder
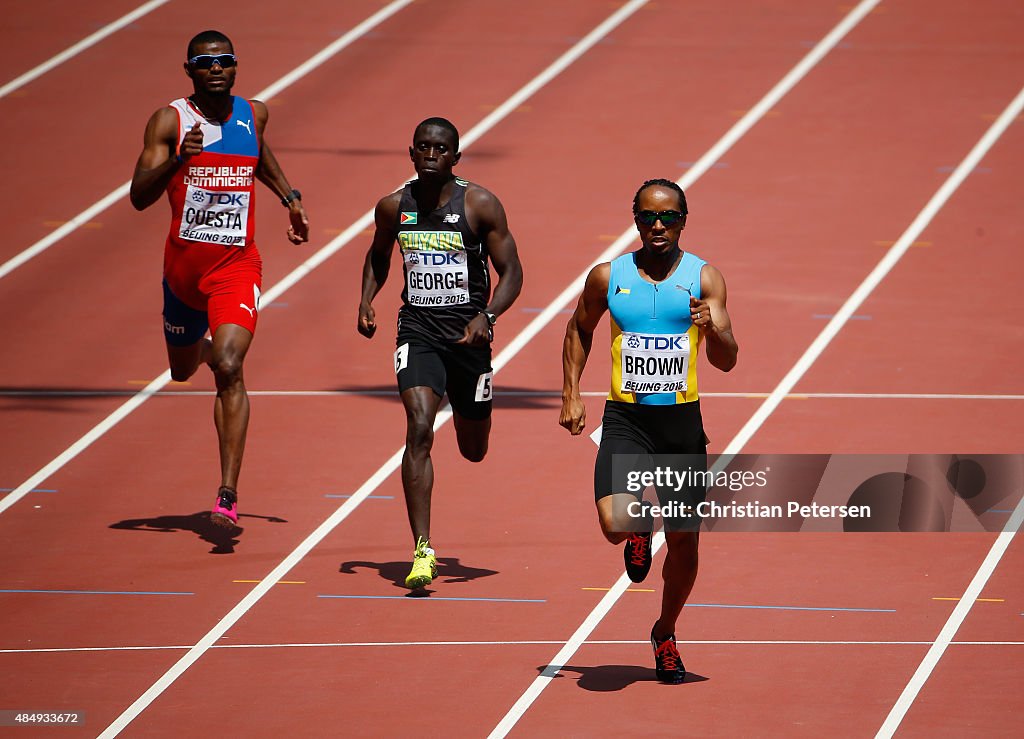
<point>162,127</point>
<point>710,275</point>
<point>599,276</point>
<point>259,109</point>
<point>165,117</point>
<point>485,211</point>
<point>480,198</point>
<point>390,201</point>
<point>386,212</point>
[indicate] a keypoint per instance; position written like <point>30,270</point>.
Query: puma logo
<point>245,124</point>
<point>252,311</point>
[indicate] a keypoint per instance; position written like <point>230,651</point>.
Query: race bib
<point>401,358</point>
<point>654,363</point>
<point>215,217</point>
<point>484,388</point>
<point>436,278</point>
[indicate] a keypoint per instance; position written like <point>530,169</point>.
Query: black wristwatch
<point>492,318</point>
<point>293,195</point>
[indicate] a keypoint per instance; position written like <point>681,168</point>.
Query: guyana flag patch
<point>407,219</point>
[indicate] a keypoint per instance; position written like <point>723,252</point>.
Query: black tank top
<point>446,278</point>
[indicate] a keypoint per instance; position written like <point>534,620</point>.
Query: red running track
<point>796,214</point>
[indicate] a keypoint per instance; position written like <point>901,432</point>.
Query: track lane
<point>970,682</point>
<point>41,30</point>
<point>924,307</point>
<point>79,47</point>
<point>909,348</point>
<point>920,292</point>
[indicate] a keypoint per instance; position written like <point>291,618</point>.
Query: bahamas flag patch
<point>407,219</point>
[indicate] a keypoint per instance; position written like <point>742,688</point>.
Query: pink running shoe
<point>225,510</point>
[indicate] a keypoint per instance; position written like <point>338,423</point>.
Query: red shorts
<point>224,283</point>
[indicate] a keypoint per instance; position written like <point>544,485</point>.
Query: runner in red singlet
<point>206,152</point>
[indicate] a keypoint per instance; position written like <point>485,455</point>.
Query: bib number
<point>436,278</point>
<point>401,358</point>
<point>654,363</point>
<point>484,388</point>
<point>215,217</point>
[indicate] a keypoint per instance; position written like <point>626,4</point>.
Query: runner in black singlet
<point>447,230</point>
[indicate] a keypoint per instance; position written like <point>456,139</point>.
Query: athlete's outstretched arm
<point>270,174</point>
<point>715,322</point>
<point>492,226</point>
<point>378,261</point>
<point>159,161</point>
<point>579,337</point>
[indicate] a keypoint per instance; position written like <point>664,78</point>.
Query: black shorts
<point>464,372</point>
<point>633,434</point>
<point>183,325</point>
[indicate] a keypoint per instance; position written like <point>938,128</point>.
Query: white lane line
<point>276,87</point>
<point>895,253</point>
<point>708,160</point>
<point>497,392</point>
<point>547,642</point>
<point>991,561</point>
<point>952,625</point>
<point>385,470</point>
<point>78,48</point>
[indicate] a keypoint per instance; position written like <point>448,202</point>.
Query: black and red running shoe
<point>667,663</point>
<point>637,556</point>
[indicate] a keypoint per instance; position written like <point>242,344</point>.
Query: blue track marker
<point>791,608</point>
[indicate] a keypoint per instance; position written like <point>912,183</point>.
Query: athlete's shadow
<point>449,570</point>
<point>223,540</point>
<point>609,678</point>
<point>54,399</point>
<point>505,396</point>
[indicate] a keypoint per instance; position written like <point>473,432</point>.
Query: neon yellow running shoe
<point>424,566</point>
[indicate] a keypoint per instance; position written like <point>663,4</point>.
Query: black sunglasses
<point>668,218</point>
<point>206,61</point>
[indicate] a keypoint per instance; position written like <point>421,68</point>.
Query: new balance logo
<point>451,218</point>
<point>244,124</point>
<point>252,311</point>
